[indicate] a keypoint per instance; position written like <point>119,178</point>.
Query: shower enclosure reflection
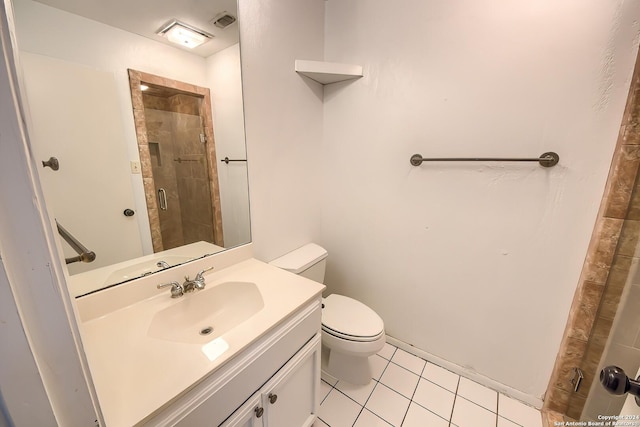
<point>175,138</point>
<point>79,108</point>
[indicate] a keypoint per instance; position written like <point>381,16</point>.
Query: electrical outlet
<point>135,167</point>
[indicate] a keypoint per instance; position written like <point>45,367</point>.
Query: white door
<point>75,117</point>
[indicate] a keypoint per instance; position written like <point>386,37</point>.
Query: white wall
<point>283,115</point>
<point>51,32</point>
<point>475,263</point>
<point>225,82</point>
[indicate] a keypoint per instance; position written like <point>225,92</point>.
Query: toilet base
<point>345,367</point>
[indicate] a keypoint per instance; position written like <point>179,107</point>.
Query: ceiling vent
<point>223,20</point>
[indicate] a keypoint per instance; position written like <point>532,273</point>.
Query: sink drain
<point>206,331</point>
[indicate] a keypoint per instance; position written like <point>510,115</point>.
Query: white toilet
<point>351,331</point>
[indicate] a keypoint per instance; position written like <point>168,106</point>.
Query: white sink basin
<point>202,316</point>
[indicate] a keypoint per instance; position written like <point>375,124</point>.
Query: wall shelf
<point>328,72</point>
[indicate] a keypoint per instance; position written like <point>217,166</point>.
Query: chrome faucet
<point>162,264</point>
<point>196,283</point>
<point>176,289</point>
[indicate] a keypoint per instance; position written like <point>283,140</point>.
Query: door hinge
<point>203,138</point>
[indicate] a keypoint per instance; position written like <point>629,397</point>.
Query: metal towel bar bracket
<point>547,159</point>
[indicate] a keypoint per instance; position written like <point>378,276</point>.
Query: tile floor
<point>408,391</point>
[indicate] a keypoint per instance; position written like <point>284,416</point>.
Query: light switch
<point>135,167</point>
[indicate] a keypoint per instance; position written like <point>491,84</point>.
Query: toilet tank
<point>308,261</point>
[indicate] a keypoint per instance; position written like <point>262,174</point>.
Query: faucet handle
<point>176,289</point>
<point>201,272</point>
<point>199,280</point>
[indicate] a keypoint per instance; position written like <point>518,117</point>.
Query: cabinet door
<point>292,397</point>
<point>250,414</point>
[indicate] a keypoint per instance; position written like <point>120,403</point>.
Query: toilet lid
<point>349,317</point>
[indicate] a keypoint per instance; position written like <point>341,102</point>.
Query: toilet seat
<point>351,337</point>
<point>351,320</point>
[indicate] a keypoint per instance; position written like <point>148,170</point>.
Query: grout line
<point>427,409</point>
<point>414,391</point>
<point>365,402</point>
<point>373,389</point>
<point>332,387</point>
<point>478,405</point>
<point>455,397</point>
<point>351,399</point>
<point>399,394</point>
<point>497,408</point>
<point>407,369</point>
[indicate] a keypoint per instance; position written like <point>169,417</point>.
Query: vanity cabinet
<point>276,377</point>
<point>289,399</point>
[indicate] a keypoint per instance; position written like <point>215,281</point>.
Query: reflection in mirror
<point>75,56</point>
<point>175,134</point>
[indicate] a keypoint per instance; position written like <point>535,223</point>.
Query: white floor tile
<point>400,380</point>
<point>359,393</point>
<point>388,404</point>
<point>387,351</point>
<point>408,361</point>
<point>441,376</point>
<point>478,394</point>
<point>319,423</point>
<point>434,398</point>
<point>468,414</point>
<point>503,422</point>
<point>518,412</point>
<point>369,419</point>
<point>338,410</point>
<point>324,390</point>
<point>417,416</point>
<point>378,364</point>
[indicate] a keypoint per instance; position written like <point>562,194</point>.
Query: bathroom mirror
<point>76,58</point>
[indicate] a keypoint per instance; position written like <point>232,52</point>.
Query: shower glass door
<point>178,150</point>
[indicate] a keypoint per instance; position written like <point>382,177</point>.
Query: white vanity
<point>244,351</point>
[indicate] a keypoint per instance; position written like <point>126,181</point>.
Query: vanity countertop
<point>136,374</point>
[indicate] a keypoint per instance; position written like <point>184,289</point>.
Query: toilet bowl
<point>351,331</point>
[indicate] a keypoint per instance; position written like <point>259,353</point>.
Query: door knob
<point>615,381</point>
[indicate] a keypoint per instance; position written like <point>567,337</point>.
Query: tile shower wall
<point>160,134</point>
<point>622,349</point>
<point>179,165</point>
<point>605,273</point>
<point>616,332</point>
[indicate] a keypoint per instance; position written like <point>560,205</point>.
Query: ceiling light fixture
<point>184,34</point>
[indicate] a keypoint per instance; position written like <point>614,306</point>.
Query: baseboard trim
<point>536,402</point>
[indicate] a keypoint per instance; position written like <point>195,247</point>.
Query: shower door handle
<point>162,199</point>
